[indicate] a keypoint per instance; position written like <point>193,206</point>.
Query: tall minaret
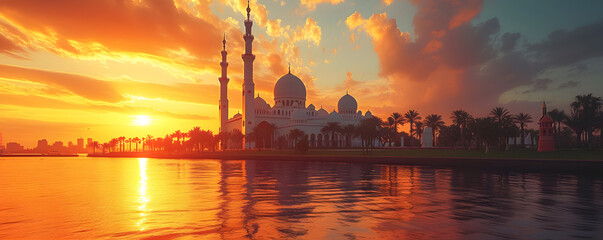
<point>248,85</point>
<point>223,88</point>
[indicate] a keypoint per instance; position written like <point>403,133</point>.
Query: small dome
<point>334,116</point>
<point>298,114</point>
<point>368,113</point>
<point>289,86</point>
<point>359,112</point>
<point>311,107</point>
<point>237,115</point>
<point>322,113</point>
<point>347,102</point>
<point>260,103</point>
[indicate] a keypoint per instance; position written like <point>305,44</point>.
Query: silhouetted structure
<point>546,141</point>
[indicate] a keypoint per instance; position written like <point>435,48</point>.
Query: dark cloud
<point>569,84</point>
<point>540,84</point>
<point>509,41</point>
<point>563,47</point>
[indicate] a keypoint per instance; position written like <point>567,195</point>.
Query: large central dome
<point>289,87</point>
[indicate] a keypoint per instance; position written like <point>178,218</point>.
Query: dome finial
<point>346,92</point>
<point>289,68</point>
<point>248,10</point>
<point>224,42</point>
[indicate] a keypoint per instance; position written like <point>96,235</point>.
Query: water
<point>77,198</point>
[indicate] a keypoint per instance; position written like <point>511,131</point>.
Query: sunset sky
<point>73,68</point>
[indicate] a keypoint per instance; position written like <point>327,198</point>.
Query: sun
<point>141,120</point>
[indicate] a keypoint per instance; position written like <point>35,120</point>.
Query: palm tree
<point>482,128</point>
<point>523,119</point>
<point>294,135</point>
<point>419,130</point>
<point>331,128</point>
<point>136,141</point>
<point>461,119</point>
<point>435,122</point>
<point>501,115</point>
<point>149,142</point>
<point>412,117</point>
<point>122,143</point>
<point>129,141</point>
<point>398,119</point>
<point>587,108</point>
<point>368,130</point>
<point>348,131</point>
<point>558,117</point>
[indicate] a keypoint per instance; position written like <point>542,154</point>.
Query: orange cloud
<point>311,4</point>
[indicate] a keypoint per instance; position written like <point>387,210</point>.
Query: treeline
<point>576,129</point>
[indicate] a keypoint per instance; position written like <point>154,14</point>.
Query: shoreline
<point>523,164</point>
<point>39,155</point>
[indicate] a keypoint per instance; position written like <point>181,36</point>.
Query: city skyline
<point>147,68</point>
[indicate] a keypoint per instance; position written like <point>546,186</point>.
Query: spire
<point>224,42</point>
<point>543,108</point>
<point>248,10</point>
<point>346,92</point>
<point>289,68</point>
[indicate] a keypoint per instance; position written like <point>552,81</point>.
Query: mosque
<point>289,110</point>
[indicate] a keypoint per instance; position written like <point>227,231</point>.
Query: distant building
<point>13,147</point>
<point>42,146</point>
<point>80,144</point>
<point>546,139</point>
<point>58,146</point>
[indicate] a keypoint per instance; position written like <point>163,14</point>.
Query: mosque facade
<point>289,110</point>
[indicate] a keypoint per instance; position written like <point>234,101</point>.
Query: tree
<point>331,128</point>
<point>461,118</point>
<point>483,128</point>
<point>502,116</point>
<point>368,130</point>
<point>122,143</point>
<point>558,117</point>
<point>419,130</point>
<point>435,122</point>
<point>397,119</point>
<point>587,107</point>
<point>294,135</point>
<point>348,131</point>
<point>412,117</point>
<point>148,141</point>
<point>136,141</point>
<point>523,119</point>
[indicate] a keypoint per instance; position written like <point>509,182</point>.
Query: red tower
<point>546,140</point>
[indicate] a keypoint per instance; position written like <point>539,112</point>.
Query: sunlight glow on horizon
<point>141,120</point>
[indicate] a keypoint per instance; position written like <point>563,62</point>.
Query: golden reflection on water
<point>67,198</point>
<point>143,197</point>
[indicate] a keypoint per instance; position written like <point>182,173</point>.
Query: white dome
<point>260,103</point>
<point>322,113</point>
<point>298,114</point>
<point>334,116</point>
<point>311,107</point>
<point>289,86</point>
<point>359,112</point>
<point>368,113</point>
<point>237,115</point>
<point>347,102</point>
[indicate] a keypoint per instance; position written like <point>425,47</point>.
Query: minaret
<point>248,85</point>
<point>223,88</point>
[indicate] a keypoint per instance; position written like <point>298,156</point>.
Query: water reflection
<point>103,198</point>
<point>143,197</point>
